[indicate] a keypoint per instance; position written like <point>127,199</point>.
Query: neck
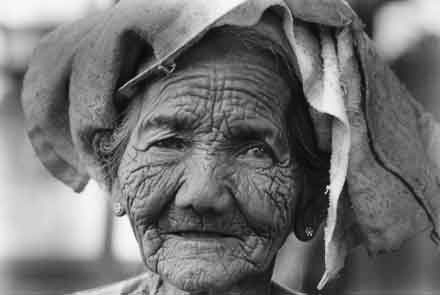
<point>256,285</point>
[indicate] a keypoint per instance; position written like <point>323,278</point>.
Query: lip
<point>208,235</point>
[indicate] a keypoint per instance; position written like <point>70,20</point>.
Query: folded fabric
<point>384,156</point>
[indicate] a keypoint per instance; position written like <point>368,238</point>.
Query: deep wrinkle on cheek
<point>267,197</point>
<point>148,186</point>
<point>149,190</point>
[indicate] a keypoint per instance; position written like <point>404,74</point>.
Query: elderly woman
<point>221,127</point>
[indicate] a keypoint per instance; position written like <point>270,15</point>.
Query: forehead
<point>226,74</point>
<point>219,92</point>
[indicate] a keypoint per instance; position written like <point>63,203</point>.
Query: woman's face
<point>208,176</point>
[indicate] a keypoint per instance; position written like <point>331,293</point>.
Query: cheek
<point>267,198</point>
<point>147,186</point>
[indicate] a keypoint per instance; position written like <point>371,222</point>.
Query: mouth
<point>201,235</point>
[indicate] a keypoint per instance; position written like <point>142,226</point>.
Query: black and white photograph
<point>220,147</point>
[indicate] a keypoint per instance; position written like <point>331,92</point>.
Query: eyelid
<point>148,138</point>
<point>256,144</point>
<point>170,142</point>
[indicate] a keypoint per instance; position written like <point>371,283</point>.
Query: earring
<point>118,210</point>
<point>309,232</point>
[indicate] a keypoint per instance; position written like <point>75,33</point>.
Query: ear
<point>311,208</point>
<point>119,203</point>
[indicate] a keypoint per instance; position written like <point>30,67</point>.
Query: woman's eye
<point>258,152</point>
<point>173,143</point>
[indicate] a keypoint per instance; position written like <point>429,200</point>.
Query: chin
<point>201,265</point>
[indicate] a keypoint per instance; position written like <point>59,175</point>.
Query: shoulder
<point>147,283</point>
<point>144,284</point>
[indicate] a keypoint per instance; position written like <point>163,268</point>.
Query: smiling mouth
<point>202,235</point>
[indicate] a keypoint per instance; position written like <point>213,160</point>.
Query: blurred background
<point>53,241</point>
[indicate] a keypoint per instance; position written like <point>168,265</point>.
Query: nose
<point>204,190</point>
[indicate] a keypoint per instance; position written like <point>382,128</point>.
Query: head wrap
<point>384,152</point>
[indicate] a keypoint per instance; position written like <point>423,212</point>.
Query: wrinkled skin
<point>208,176</point>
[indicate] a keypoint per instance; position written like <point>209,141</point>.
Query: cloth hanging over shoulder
<point>384,156</point>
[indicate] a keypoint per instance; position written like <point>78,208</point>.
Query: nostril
<point>216,202</point>
<point>225,201</point>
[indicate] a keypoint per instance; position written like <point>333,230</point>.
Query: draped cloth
<point>384,152</point>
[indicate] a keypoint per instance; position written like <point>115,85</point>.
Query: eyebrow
<point>247,129</point>
<point>174,123</point>
<point>251,130</point>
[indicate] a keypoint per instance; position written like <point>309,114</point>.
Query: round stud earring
<point>118,210</point>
